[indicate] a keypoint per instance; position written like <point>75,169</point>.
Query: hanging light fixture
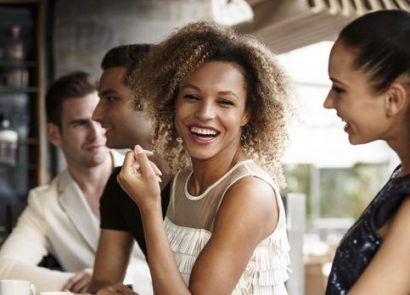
<point>231,12</point>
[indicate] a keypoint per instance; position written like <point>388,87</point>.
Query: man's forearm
<point>44,279</point>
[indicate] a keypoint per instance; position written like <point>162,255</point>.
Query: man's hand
<point>80,281</point>
<point>116,289</point>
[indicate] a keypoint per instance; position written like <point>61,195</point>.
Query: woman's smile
<point>202,134</point>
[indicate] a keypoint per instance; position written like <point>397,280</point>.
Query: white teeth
<point>203,131</point>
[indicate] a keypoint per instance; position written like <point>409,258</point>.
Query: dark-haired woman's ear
<point>397,99</point>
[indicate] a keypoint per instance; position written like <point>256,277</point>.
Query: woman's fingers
<point>137,164</point>
<point>156,169</point>
<point>141,150</point>
<point>139,178</point>
<point>129,161</point>
<point>148,167</point>
<point>145,166</point>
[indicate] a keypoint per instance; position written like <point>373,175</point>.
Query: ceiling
<point>285,25</point>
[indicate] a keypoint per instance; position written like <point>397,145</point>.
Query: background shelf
<point>11,90</point>
<point>17,64</point>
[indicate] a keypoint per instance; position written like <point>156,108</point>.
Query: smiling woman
<point>369,67</point>
<point>267,90</point>
<point>210,110</point>
<point>219,104</point>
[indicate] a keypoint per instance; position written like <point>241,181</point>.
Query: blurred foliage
<point>298,181</point>
<point>343,192</point>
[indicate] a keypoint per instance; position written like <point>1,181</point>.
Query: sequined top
<point>362,242</point>
<point>190,222</point>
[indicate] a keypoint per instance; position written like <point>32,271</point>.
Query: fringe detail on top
<point>267,269</point>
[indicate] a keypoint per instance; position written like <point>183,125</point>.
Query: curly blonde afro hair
<point>155,83</point>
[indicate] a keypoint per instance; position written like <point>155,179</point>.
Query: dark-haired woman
<point>369,67</point>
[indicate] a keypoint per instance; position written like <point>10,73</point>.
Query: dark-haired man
<point>126,126</point>
<point>62,218</point>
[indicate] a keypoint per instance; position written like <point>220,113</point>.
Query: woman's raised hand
<point>140,178</point>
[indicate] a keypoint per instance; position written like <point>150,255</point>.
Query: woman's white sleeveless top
<point>190,221</point>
